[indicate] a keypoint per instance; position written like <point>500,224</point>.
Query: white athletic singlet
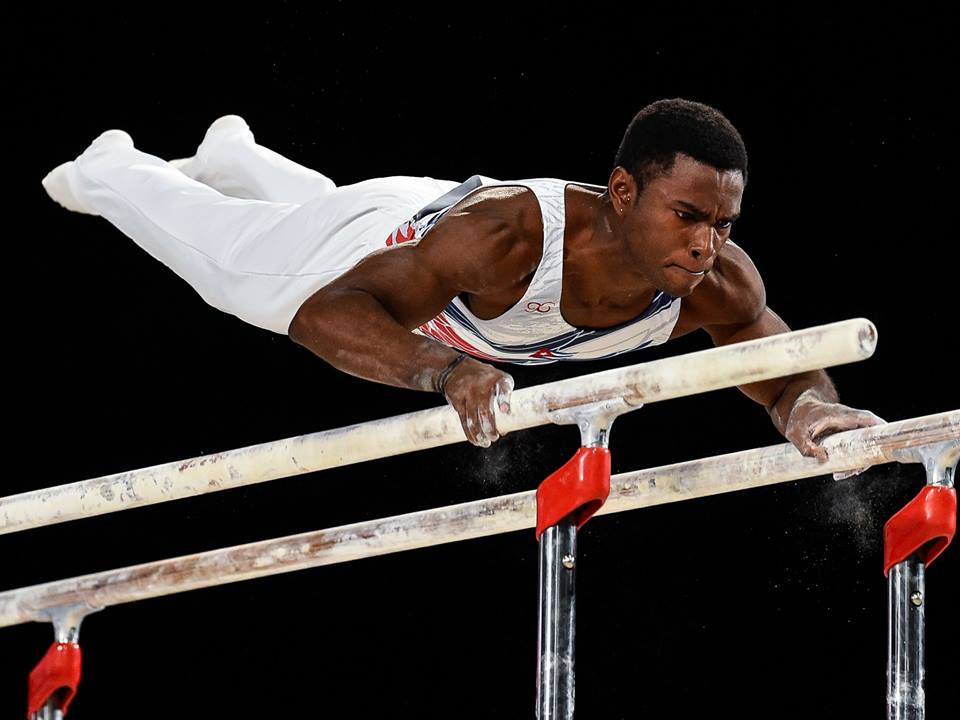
<point>533,331</point>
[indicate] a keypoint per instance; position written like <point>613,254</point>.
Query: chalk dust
<point>860,505</point>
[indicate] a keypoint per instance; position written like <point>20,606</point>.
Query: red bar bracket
<point>58,670</point>
<point>929,521</point>
<point>582,485</point>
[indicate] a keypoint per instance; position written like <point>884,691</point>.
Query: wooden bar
<point>738,364</point>
<point>891,442</point>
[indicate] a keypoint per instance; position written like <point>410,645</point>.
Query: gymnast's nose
<point>704,244</point>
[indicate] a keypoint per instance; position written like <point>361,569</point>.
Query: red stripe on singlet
<point>441,329</point>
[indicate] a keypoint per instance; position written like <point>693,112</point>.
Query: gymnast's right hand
<point>473,389</point>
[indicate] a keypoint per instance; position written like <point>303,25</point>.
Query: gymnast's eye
<point>725,224</point>
<point>683,215</point>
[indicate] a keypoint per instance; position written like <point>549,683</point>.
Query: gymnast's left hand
<point>812,419</point>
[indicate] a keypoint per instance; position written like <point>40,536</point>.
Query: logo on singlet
<point>537,307</point>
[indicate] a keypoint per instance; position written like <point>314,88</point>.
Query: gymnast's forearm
<point>352,331</point>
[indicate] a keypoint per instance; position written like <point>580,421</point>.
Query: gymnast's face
<point>680,221</point>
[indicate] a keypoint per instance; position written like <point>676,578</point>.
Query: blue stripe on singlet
<point>449,198</point>
<point>558,343</point>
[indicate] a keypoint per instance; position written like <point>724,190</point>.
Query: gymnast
<point>420,283</point>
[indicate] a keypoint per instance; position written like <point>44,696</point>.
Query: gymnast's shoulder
<point>492,231</point>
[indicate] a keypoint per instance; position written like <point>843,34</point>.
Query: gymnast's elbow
<point>321,319</point>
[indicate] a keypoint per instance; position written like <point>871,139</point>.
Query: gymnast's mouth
<point>691,272</point>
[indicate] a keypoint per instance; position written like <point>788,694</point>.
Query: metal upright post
<point>912,539</point>
<point>565,501</point>
<point>905,593</point>
<point>558,558</point>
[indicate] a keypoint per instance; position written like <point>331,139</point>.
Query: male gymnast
<point>419,283</point>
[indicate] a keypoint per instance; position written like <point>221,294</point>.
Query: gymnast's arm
<point>361,322</point>
<point>732,308</point>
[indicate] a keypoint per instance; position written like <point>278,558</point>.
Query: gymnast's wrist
<point>443,376</point>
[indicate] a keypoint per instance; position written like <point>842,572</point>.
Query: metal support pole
<point>913,538</point>
<point>557,624</point>
<point>50,711</point>
<point>905,598</point>
<point>565,501</point>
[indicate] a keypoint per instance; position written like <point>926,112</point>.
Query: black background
<point>766,603</point>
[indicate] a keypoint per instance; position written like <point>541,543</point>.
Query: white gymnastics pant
<point>255,234</point>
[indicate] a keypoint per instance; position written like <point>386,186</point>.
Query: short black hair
<point>666,127</point>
